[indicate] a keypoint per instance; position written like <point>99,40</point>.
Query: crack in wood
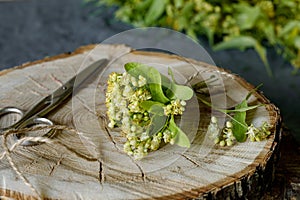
<point>101,173</point>
<point>103,119</point>
<point>190,160</point>
<point>110,137</point>
<point>21,91</point>
<point>144,178</point>
<point>143,175</point>
<point>55,165</point>
<point>65,165</point>
<point>81,155</point>
<point>85,106</point>
<point>233,176</point>
<point>38,84</point>
<point>31,164</point>
<point>36,93</point>
<point>56,80</point>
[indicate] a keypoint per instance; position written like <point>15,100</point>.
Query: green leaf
<point>181,138</point>
<point>156,9</point>
<point>242,43</point>
<point>170,72</point>
<point>262,52</point>
<point>178,91</point>
<point>182,92</point>
<point>136,69</point>
<point>297,42</point>
<point>165,83</point>
<point>188,8</point>
<point>157,122</point>
<point>142,5</point>
<point>239,125</point>
<point>191,32</point>
<point>269,30</point>
<point>178,3</point>
<point>238,42</point>
<point>151,106</point>
<point>243,109</point>
<point>157,109</point>
<point>253,90</point>
<point>154,81</point>
<point>153,78</point>
<point>289,27</point>
<point>157,117</point>
<point>210,35</point>
<point>225,111</point>
<point>247,16</point>
<point>161,88</point>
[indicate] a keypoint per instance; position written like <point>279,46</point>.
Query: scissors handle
<point>50,102</point>
<point>10,110</point>
<point>34,120</point>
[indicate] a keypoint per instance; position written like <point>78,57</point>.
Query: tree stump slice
<point>204,171</point>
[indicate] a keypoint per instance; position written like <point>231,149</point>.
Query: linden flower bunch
<point>236,129</point>
<point>143,103</point>
<point>225,136</point>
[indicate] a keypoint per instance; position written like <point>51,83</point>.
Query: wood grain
<point>203,171</point>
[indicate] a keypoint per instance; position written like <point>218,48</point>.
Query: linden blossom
<point>225,136</point>
<point>138,103</point>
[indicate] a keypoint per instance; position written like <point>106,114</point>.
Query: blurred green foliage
<point>227,24</point>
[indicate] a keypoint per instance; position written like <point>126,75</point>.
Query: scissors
<point>35,115</point>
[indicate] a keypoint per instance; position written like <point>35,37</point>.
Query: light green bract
<point>143,103</point>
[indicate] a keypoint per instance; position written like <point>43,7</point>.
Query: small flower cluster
<point>139,146</point>
<point>124,96</point>
<point>176,107</point>
<point>258,134</point>
<point>222,137</point>
<point>225,136</point>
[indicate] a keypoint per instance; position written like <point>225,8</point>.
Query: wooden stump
<point>204,171</point>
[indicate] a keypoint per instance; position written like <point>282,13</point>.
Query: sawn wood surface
<point>204,171</point>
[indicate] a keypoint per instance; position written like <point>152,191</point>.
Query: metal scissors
<point>36,114</point>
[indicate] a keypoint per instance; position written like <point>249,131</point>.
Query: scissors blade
<point>75,82</point>
<point>88,72</point>
<point>50,102</point>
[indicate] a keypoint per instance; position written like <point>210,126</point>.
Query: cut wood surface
<point>204,171</point>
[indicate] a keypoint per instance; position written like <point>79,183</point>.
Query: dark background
<point>34,29</point>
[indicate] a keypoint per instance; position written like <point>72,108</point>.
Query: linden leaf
<point>239,125</point>
<point>182,92</point>
<point>155,86</point>
<point>247,15</point>
<point>243,109</point>
<point>181,138</point>
<point>152,106</point>
<point>153,78</point>
<point>242,43</point>
<point>225,111</point>
<point>157,122</point>
<point>178,91</point>
<point>236,42</point>
<point>155,11</point>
